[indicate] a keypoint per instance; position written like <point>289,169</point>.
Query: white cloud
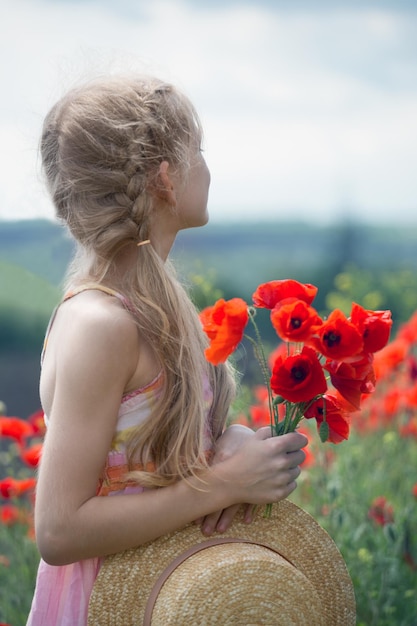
<point>303,111</point>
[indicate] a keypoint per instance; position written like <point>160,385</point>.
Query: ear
<point>164,187</point>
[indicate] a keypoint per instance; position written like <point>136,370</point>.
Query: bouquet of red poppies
<point>321,367</point>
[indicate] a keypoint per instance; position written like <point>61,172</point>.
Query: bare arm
<point>72,523</point>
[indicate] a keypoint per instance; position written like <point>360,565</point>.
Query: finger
<point>264,433</point>
<point>293,441</point>
<point>226,518</point>
<point>209,523</point>
<point>249,513</point>
<point>295,472</point>
<point>296,458</point>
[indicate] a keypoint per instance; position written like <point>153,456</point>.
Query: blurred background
<point>310,116</point>
<point>309,110</point>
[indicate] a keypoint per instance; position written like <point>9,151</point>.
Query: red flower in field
<point>260,415</point>
<point>37,421</point>
<point>31,456</point>
<point>16,428</point>
<point>415,490</point>
<point>352,379</point>
<point>412,367</point>
<point>408,330</point>
<point>10,514</point>
<point>280,350</point>
<point>330,409</point>
<point>390,357</point>
<point>224,324</point>
<point>410,428</point>
<point>298,378</point>
<point>374,326</point>
<point>15,487</point>
<point>392,401</point>
<point>381,512</point>
<point>337,338</point>
<point>309,460</point>
<point>269,294</point>
<point>261,393</point>
<point>295,320</point>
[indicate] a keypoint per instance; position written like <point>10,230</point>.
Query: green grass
<point>382,560</point>
<point>17,578</point>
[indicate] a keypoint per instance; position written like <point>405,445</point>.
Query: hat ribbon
<point>183,557</point>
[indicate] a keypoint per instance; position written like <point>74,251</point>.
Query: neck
<point>162,246</point>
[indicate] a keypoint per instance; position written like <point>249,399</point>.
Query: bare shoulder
<point>93,341</point>
<point>100,317</point>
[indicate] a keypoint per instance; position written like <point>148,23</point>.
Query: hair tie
<point>142,243</point>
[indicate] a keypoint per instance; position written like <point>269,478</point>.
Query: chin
<point>196,222</point>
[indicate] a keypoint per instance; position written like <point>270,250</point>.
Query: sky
<point>309,107</point>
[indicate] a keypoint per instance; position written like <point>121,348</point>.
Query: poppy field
<point>360,485</point>
<point>362,488</point>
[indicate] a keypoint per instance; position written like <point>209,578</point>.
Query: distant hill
<point>26,302</point>
<point>241,254</point>
<point>21,289</point>
<point>40,246</point>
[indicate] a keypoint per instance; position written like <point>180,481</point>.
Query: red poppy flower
<point>269,294</point>
<point>280,350</point>
<point>224,324</point>
<point>10,514</point>
<point>390,357</point>
<point>381,511</point>
<point>352,379</point>
<point>393,401</point>
<point>328,407</point>
<point>260,415</point>
<point>298,378</point>
<point>415,490</point>
<point>294,320</point>
<point>31,456</point>
<point>37,421</point>
<point>409,429</point>
<point>374,326</point>
<point>261,393</point>
<point>15,487</point>
<point>16,428</point>
<point>408,330</point>
<point>337,338</point>
<point>309,460</point>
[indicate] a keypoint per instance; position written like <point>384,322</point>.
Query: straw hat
<point>284,569</point>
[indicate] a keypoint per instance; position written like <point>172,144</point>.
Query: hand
<point>264,469</point>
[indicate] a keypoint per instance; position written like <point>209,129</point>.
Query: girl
<point>133,410</point>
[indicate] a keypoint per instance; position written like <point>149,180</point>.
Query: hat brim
<point>126,580</point>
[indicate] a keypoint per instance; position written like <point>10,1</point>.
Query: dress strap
<point>73,292</point>
<point>98,287</point>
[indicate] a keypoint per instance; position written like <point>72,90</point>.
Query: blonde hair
<point>101,149</point>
